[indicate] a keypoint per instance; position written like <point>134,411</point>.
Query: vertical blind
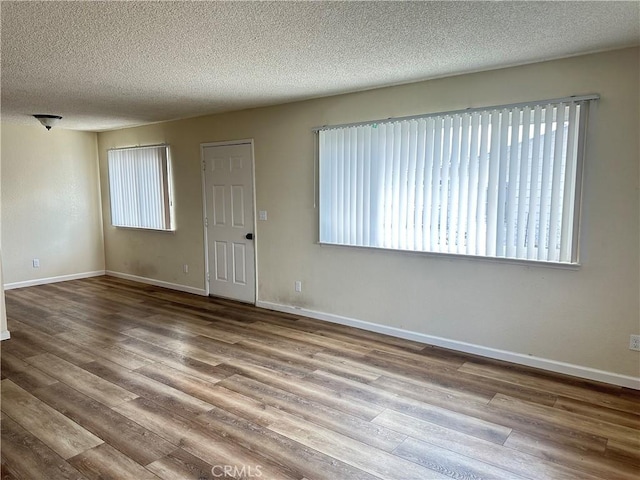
<point>139,187</point>
<point>501,182</point>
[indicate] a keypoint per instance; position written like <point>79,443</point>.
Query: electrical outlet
<point>634,342</point>
<point>36,263</point>
<point>185,268</point>
<point>298,286</point>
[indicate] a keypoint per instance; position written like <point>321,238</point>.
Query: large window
<point>497,182</point>
<point>140,187</point>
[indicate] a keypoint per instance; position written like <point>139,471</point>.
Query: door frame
<point>228,143</point>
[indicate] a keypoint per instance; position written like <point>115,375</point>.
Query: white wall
<point>582,317</point>
<point>4,333</point>
<point>50,204</point>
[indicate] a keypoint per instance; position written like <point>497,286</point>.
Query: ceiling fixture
<point>47,121</point>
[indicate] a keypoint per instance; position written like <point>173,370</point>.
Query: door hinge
<point>204,167</point>
<point>208,277</point>
<point>206,222</point>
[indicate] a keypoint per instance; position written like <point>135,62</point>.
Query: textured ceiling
<point>104,65</point>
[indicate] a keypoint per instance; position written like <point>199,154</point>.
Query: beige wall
<point>50,203</point>
<point>582,317</point>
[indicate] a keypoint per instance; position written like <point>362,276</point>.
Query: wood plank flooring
<point>108,379</point>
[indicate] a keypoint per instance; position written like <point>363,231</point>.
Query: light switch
<point>262,215</point>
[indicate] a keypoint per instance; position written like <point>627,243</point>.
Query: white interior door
<point>229,220</point>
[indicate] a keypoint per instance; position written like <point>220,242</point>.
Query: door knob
<point>249,236</point>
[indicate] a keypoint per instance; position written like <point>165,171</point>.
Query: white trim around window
<point>500,182</point>
<point>140,187</point>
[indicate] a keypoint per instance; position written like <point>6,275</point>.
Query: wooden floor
<point>107,379</point>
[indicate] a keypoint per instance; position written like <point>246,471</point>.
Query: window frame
<point>165,190</point>
<point>581,120</point>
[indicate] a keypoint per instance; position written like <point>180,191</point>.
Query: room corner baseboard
<point>5,335</point>
<point>158,283</point>
<point>507,356</point>
<point>44,281</point>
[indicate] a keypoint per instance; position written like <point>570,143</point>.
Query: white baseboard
<point>158,283</point>
<point>513,357</point>
<point>44,281</point>
<point>507,356</point>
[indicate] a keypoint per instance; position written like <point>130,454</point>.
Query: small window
<point>140,187</point>
<point>499,182</point>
